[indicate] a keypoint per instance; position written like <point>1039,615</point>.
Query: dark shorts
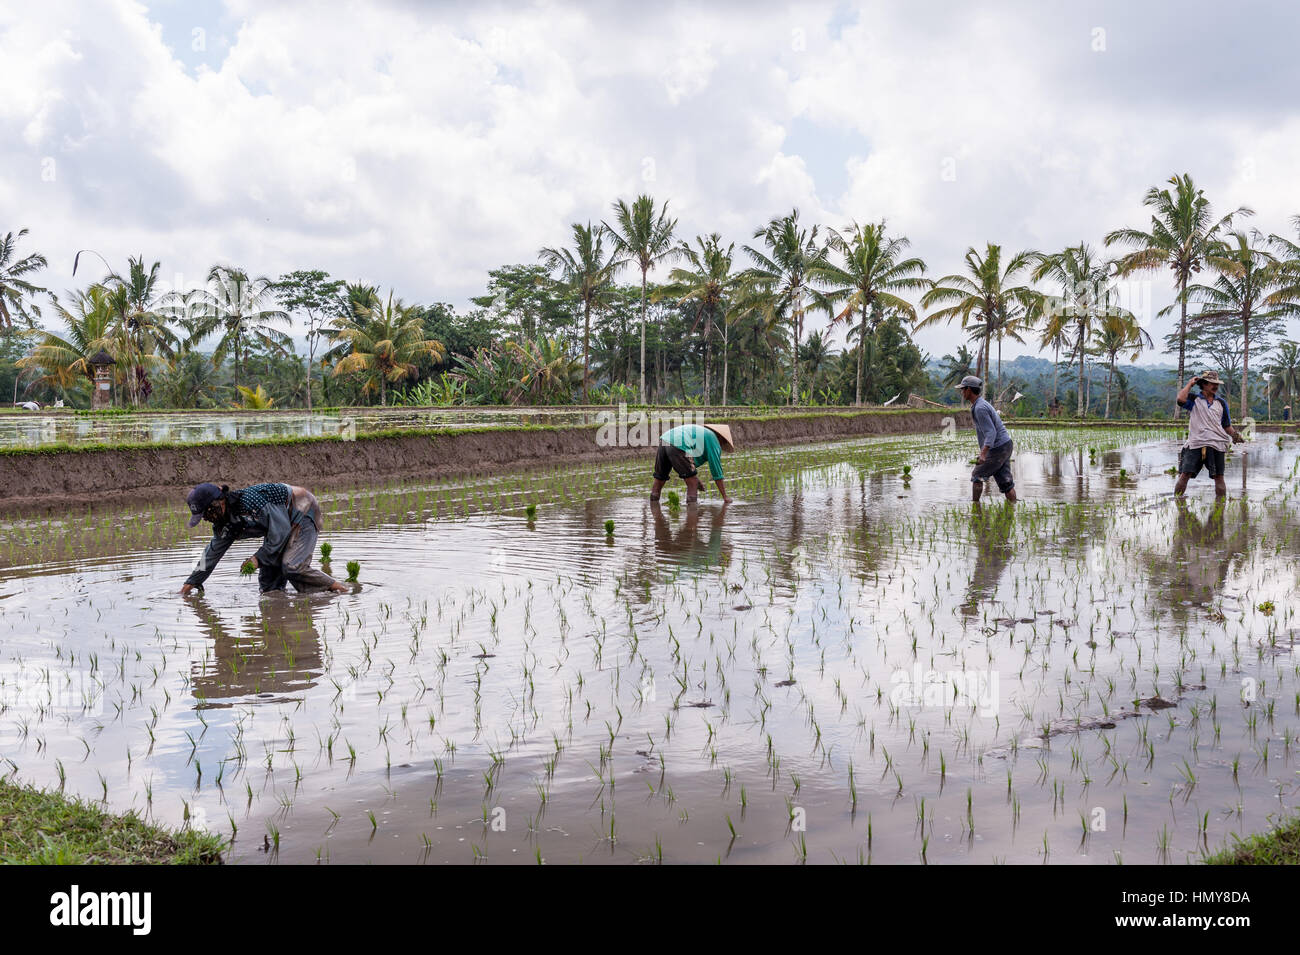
<point>1191,460</point>
<point>997,466</point>
<point>669,459</point>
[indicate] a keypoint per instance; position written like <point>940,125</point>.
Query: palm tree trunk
<point>1056,367</point>
<point>999,375</point>
<point>643,271</point>
<point>1182,333</point>
<point>794,360</point>
<point>383,391</point>
<point>586,347</point>
<point>1079,413</point>
<point>1245,364</point>
<point>1110,376</point>
<point>726,350</point>
<point>708,331</point>
<point>862,347</point>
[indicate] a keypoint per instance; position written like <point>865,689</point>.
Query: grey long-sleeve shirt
<point>989,429</point>
<point>261,510</point>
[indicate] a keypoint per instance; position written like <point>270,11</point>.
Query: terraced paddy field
<point>851,662</point>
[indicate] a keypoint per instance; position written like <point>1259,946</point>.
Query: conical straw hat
<point>724,435</point>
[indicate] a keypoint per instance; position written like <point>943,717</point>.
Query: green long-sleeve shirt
<point>698,442</point>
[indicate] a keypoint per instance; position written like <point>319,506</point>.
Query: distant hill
<point>1137,391</point>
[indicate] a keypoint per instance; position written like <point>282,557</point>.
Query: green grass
<point>1279,847</point>
<point>45,828</point>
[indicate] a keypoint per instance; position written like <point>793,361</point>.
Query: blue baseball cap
<point>201,499</point>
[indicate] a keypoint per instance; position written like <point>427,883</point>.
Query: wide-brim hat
<point>1209,377</point>
<point>724,435</point>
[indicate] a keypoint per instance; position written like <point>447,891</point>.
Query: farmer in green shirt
<point>685,448</point>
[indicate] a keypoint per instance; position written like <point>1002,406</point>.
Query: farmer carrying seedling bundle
<point>1209,432</point>
<point>287,516</point>
<point>685,448</point>
<point>994,440</point>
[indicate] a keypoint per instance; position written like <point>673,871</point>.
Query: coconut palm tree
<point>550,374</point>
<point>1285,371</point>
<point>1055,333</point>
<point>1286,298</point>
<point>873,274</point>
<point>986,297</point>
<point>782,279</point>
<point>709,284</point>
<point>815,355</point>
<point>64,360</point>
<point>1182,231</point>
<point>383,343</point>
<point>144,318</point>
<point>1116,333</point>
<point>958,366</point>
<point>587,274</point>
<point>15,287</point>
<point>234,306</point>
<point>1086,295</point>
<point>643,235</point>
<point>1247,277</point>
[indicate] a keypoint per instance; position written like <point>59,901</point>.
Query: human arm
<point>722,489</point>
<point>222,538</point>
<point>1185,394</point>
<point>713,453</point>
<point>984,428</point>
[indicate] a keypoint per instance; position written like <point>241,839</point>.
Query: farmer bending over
<point>994,440</point>
<point>287,516</point>
<point>1209,432</point>
<point>683,449</point>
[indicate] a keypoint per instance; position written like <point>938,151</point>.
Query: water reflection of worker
<point>277,651</point>
<point>685,448</point>
<point>991,535</point>
<point>287,516</point>
<point>686,539</point>
<point>1200,547</point>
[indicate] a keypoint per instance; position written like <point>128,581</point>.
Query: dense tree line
<point>726,325</point>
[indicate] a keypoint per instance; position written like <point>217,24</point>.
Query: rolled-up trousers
<point>295,560</point>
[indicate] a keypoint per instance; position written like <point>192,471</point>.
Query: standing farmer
<point>994,440</point>
<point>685,448</point>
<point>1209,432</point>
<point>287,516</point>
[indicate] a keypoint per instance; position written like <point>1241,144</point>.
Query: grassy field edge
<point>41,827</point>
<point>1280,846</point>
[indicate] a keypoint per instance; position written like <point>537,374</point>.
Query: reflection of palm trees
<point>991,534</point>
<point>268,654</point>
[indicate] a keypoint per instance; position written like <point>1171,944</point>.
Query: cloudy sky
<point>416,146</point>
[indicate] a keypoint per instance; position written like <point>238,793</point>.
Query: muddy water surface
<point>844,664</point>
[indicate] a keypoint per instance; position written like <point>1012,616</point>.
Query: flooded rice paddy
<point>849,663</point>
<point>44,428</point>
